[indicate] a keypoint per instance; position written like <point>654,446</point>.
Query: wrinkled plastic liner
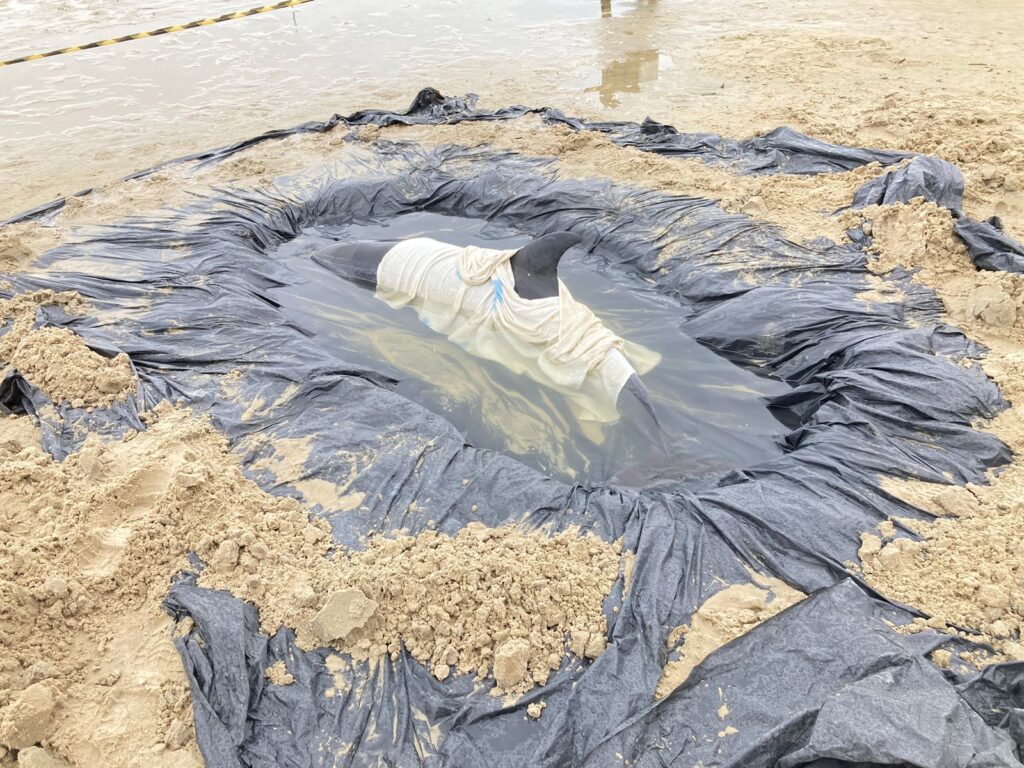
<point>874,389</point>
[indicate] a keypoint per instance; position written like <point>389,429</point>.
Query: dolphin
<point>535,268</point>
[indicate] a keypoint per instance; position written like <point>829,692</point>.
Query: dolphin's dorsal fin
<point>535,266</point>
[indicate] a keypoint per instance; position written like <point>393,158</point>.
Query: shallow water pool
<point>713,412</point>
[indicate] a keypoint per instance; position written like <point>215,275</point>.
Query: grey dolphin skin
<point>355,262</point>
<point>535,267</point>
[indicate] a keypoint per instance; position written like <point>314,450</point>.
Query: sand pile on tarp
<point>920,235</point>
<point>489,601</point>
<point>56,360</point>
<point>965,570</point>
<point>20,312</point>
<point>90,546</point>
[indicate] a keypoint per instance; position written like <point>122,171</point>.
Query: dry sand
<point>435,595</point>
<point>56,360</point>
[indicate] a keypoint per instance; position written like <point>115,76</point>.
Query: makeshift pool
<point>713,412</point>
<point>218,305</point>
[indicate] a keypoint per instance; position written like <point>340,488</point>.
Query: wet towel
<point>468,294</point>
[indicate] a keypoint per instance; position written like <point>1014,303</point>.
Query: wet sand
<point>928,76</point>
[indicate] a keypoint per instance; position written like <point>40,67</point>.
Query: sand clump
<point>916,235</point>
<point>26,720</point>
<point>345,611</point>
<point>56,360</point>
<point>723,617</point>
<point>919,235</point>
<point>37,757</point>
<point>487,600</point>
<point>90,544</point>
<point>20,311</point>
<point>15,252</point>
<point>278,674</point>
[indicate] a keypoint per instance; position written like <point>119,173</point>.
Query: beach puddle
<point>628,75</point>
<point>712,412</point>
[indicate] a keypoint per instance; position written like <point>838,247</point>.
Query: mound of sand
<point>20,310</point>
<point>56,360</point>
<point>437,595</point>
<point>919,235</point>
<point>90,545</point>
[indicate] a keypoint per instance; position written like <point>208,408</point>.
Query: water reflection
<point>607,11</point>
<point>626,75</point>
<point>631,53</point>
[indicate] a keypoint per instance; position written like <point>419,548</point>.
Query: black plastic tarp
<point>875,389</point>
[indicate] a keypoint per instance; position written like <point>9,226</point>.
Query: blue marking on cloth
<point>499,293</point>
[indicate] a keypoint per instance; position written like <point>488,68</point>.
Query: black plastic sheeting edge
<point>943,184</point>
<point>876,389</point>
<point>783,150</point>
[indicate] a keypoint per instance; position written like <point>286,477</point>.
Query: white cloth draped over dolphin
<point>468,294</point>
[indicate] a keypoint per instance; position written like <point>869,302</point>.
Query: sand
<point>726,615</point>
<point>965,570</point>
<point>20,311</point>
<point>278,674</point>
<point>90,545</point>
<point>59,363</point>
<point>56,360</point>
<point>437,595</point>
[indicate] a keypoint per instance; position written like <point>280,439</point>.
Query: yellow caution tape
<point>155,32</point>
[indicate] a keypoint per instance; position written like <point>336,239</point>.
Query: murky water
<point>712,411</point>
